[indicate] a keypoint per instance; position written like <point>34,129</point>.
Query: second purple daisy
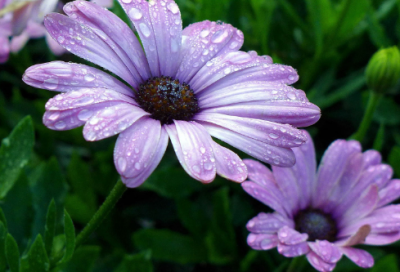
<point>186,85</point>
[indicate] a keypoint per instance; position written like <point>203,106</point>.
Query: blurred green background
<point>172,222</point>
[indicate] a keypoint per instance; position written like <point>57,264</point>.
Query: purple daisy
<point>186,85</point>
<point>323,215</point>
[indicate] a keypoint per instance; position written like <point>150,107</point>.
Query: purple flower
<point>323,215</point>
<point>185,86</point>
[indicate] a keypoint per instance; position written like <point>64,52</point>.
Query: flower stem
<point>294,265</point>
<point>367,119</point>
<point>101,213</point>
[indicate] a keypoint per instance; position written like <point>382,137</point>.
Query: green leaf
<point>15,152</point>
<point>36,260</point>
<point>387,264</point>
<point>3,235</point>
<point>192,216</point>
<point>376,31</point>
<point>136,263</point>
<point>394,160</point>
<point>12,253</point>
<point>220,241</point>
<point>387,112</point>
<point>69,231</point>
<point>171,246</point>
<point>50,228</point>
<point>83,260</point>
<point>3,218</point>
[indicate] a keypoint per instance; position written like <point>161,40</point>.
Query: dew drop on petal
<point>204,33</point>
<point>208,166</point>
<point>51,83</point>
<point>126,1</point>
<point>196,169</point>
<point>54,116</point>
<point>122,164</point>
<point>173,8</point>
<point>202,150</point>
<point>291,77</point>
<point>89,77</point>
<point>137,150</point>
<point>273,136</point>
<point>137,166</point>
<point>60,125</point>
<point>219,36</point>
<point>60,39</point>
<point>135,14</point>
<point>84,115</point>
<point>145,30</point>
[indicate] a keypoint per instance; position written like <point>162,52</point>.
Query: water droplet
<point>145,30</point>
<point>94,120</point>
<point>60,39</point>
<point>233,45</point>
<point>219,36</point>
<point>227,70</point>
<point>196,169</point>
<point>205,52</point>
<point>202,150</point>
<point>121,164</point>
<point>174,46</point>
<point>60,125</point>
<point>126,1</point>
<point>51,83</point>
<point>84,101</point>
<point>208,166</point>
<point>135,14</point>
<point>108,112</point>
<point>84,115</point>
<point>204,33</point>
<point>291,77</point>
<point>89,77</point>
<point>173,7</point>
<point>137,150</point>
<point>54,116</point>
<point>291,96</point>
<point>273,136</point>
<point>137,166</point>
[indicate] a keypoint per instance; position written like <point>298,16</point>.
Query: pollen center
<point>167,99</point>
<point>317,224</point>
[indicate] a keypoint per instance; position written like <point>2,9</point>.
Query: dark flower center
<point>317,224</point>
<point>167,99</point>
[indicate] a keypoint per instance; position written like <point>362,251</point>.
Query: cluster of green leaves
<point>172,222</point>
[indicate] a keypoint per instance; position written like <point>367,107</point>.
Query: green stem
<point>101,213</point>
<point>368,114</point>
<point>294,265</point>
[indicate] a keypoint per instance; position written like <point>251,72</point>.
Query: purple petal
<point>135,149</point>
<point>289,236</point>
<point>371,158</point>
<point>35,29</point>
<point>327,251</point>
<point>298,114</point>
<point>250,92</point>
<point>83,42</point>
<point>267,132</point>
<point>318,263</point>
<point>258,172</point>
<point>192,145</point>
<point>358,256</point>
<point>111,121</point>
<point>267,153</point>
<point>332,167</point>
<point>22,15</point>
<point>228,164</point>
<point>287,183</point>
<point>262,241</point>
<point>73,118</point>
<point>234,67</point>
<point>139,13</point>
<point>18,42</point>
<point>268,223</point>
<point>152,162</point>
<point>382,239</point>
<point>202,42</point>
<point>63,77</point>
<point>269,195</point>
<point>357,238</point>
<point>390,193</point>
<point>104,3</point>
<point>293,250</point>
<point>85,97</point>
<point>114,32</point>
<point>54,46</point>
<point>4,49</point>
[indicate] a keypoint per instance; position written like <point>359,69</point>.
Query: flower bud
<point>383,70</point>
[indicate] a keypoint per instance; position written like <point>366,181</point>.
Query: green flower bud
<point>383,70</point>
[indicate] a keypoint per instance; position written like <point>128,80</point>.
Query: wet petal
<point>291,251</point>
<point>111,121</point>
<point>357,238</point>
<point>202,42</point>
<point>267,153</point>
<point>54,46</point>
<point>228,163</point>
<point>135,149</point>
<point>114,32</point>
<point>4,49</point>
<point>192,145</point>
<point>390,193</point>
<point>358,256</point>
<point>83,42</point>
<point>63,77</point>
<point>371,158</point>
<point>327,251</point>
<point>258,172</point>
<point>268,223</point>
<point>287,183</point>
<point>382,239</point>
<point>268,132</point>
<point>262,241</point>
<point>318,263</point>
<point>22,15</point>
<point>289,236</point>
<point>151,163</point>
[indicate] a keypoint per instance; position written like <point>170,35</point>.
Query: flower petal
<point>111,121</point>
<point>382,239</point>
<point>63,77</point>
<point>318,263</point>
<point>83,42</point>
<point>54,46</point>
<point>267,153</point>
<point>371,158</point>
<point>85,97</point>
<point>327,251</point>
<point>291,251</point>
<point>358,256</point>
<point>287,183</point>
<point>267,132</point>
<point>269,195</point>
<point>136,147</point>
<point>228,163</point>
<point>390,193</point>
<point>114,32</point>
<point>139,13</point>
<point>204,41</point>
<point>262,241</point>
<point>289,236</point>
<point>268,223</point>
<point>22,15</point>
<point>192,145</point>
<point>4,49</point>
<point>258,172</point>
<point>152,162</point>
<point>234,67</point>
<point>357,238</point>
<point>18,42</point>
<point>298,114</point>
